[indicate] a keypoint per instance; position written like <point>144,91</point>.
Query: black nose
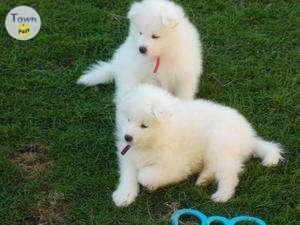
<point>128,138</point>
<point>143,49</point>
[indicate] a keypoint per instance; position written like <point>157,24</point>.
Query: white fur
<point>179,49</point>
<point>183,138</point>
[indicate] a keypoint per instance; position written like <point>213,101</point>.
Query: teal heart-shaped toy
<point>204,220</point>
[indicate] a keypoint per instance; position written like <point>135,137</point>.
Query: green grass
<point>251,50</point>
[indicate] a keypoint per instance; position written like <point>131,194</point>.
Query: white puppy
<point>166,139</point>
<point>162,48</point>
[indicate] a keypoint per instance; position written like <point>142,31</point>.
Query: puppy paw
<point>123,197</point>
<point>85,80</point>
<point>221,196</point>
<point>148,179</point>
<point>204,179</point>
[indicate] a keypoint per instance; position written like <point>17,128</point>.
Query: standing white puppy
<point>166,139</point>
<point>163,48</point>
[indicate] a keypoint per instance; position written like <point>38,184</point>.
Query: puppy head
<point>145,113</point>
<point>153,24</point>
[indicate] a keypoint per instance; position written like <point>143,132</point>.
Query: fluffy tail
<point>99,73</point>
<point>269,152</point>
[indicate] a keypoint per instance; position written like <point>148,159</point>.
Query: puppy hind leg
<point>205,177</point>
<point>227,175</point>
<point>153,177</point>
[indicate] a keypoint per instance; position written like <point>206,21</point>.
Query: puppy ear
<point>133,10</point>
<point>161,112</point>
<point>170,18</point>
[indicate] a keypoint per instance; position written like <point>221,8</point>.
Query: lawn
<point>57,152</point>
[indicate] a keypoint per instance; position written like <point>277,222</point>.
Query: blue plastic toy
<point>213,219</point>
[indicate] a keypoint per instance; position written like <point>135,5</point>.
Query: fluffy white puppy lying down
<point>162,48</point>
<point>166,139</point>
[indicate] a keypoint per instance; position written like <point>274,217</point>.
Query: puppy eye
<point>140,33</point>
<point>144,126</point>
<point>155,36</point>
<point>128,119</point>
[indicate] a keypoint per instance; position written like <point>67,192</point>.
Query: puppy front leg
<point>186,88</point>
<point>153,177</point>
<point>128,187</point>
